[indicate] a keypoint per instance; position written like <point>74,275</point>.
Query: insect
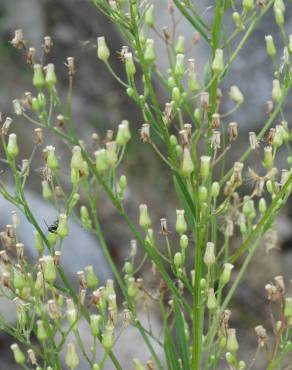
<point>53,227</point>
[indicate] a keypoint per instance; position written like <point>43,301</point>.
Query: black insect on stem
<point>53,227</point>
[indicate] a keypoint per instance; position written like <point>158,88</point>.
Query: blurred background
<point>99,104</point>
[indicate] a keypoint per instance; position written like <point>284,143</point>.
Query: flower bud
<point>279,136</point>
<point>130,65</point>
<point>128,268</point>
<point>279,17</point>
<point>176,95</point>
<point>49,269</point>
<point>46,190</point>
<point>209,256</point>
<point>35,104</point>
<point>226,274</point>
<point>181,225</point>
<point>19,280</point>
<point>51,78</point>
<point>91,278</point>
<point>38,241</point>
<point>211,300</point>
<point>230,358</point>
<point>107,337</point>
<point>103,52</point>
<point>218,63</point>
<point>205,167</point>
<point>95,321</point>
<point>149,53</point>
<point>270,46</point>
<point>12,146</point>
<point>187,166</point>
<point>144,219</point>
<point>248,5</point>
<point>42,334</point>
<point>111,153</point>
<point>179,69</point>
<point>123,134</point>
<point>76,160</point>
<point>180,45</point>
<point>238,21</point>
<point>184,241</point>
<point>236,95</point>
<point>232,344</point>
<point>268,157</point>
<point>193,83</point>
<point>178,260</point>
<point>71,358</point>
<point>52,161</point>
<point>18,354</point>
<point>101,162</point>
<point>149,18</point>
<point>277,91</point>
<point>62,229</point>
<point>95,367</point>
<point>203,194</point>
<point>132,288</point>
<point>290,44</point>
<point>38,76</point>
<point>215,189</point>
<point>241,365</point>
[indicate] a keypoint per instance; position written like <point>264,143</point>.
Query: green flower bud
<point>149,53</point>
<point>171,82</point>
<point>290,44</point>
<point>85,218</point>
<point>39,243</point>
<point>178,150</point>
<point>149,18</point>
<point>132,288</point>
<point>178,260</point>
<point>95,367</point>
<point>218,63</point>
<point>241,365</point>
<point>179,69</point>
<point>198,115</point>
<point>262,206</point>
<point>277,91</point>
<point>215,189</point>
<point>270,46</point>
<point>42,334</point>
<point>49,269</point>
<point>279,136</point>
<point>270,187</point>
<point>128,268</point>
<point>279,17</point>
<point>150,237</point>
<point>52,161</point>
<point>288,307</point>
<point>71,359</point>
<point>62,229</point>
<point>180,45</point>
<point>123,134</point>
<point>176,95</point>
<point>211,301</point>
<point>35,104</point>
<point>232,344</point>
<point>144,219</point>
<point>76,160</point>
<point>39,283</point>
<point>268,157</point>
<point>203,194</point>
<point>205,167</point>
<point>226,274</point>
<point>184,241</point>
<point>130,65</point>
<point>173,140</point>
<point>42,101</point>
<point>230,358</point>
<point>51,78</point>
<point>12,146</point>
<point>111,153</point>
<point>238,21</point>
<point>101,162</point>
<point>46,190</point>
<point>18,354</point>
<point>130,92</point>
<point>95,321</point>
<point>181,225</point>
<point>91,278</point>
<point>236,95</point>
<point>38,76</point>
<point>19,280</point>
<point>72,317</point>
<point>248,207</point>
<point>103,52</point>
<point>107,337</point>
<point>209,256</point>
<point>248,5</point>
<point>123,182</point>
<point>138,365</point>
<point>279,5</point>
<point>187,165</point>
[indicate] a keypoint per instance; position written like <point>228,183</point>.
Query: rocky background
<point>100,104</point>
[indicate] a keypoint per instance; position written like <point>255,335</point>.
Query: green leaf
<point>170,351</point>
<point>183,346</point>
